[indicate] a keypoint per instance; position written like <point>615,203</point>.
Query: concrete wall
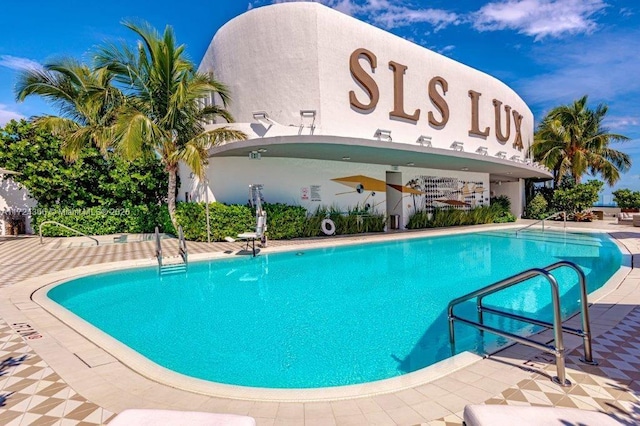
<point>288,57</point>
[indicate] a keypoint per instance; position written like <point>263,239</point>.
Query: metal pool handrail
<point>558,348</point>
<point>182,245</point>
<point>158,248</point>
<point>543,219</point>
<point>53,222</point>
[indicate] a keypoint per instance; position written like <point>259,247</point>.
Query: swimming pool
<point>328,317</point>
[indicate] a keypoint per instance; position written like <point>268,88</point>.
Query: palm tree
<point>137,101</point>
<point>163,111</point>
<point>85,98</point>
<point>572,141</point>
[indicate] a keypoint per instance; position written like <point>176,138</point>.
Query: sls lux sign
<point>437,91</point>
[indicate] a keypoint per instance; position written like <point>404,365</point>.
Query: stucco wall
<point>292,56</point>
<point>14,197</point>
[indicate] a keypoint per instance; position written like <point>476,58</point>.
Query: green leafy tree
<point>577,198</point>
<point>571,141</point>
<point>93,180</point>
<point>626,198</point>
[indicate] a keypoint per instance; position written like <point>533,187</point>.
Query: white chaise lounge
<point>507,415</point>
<point>140,417</point>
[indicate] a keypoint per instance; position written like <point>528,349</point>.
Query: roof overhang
<point>336,148</point>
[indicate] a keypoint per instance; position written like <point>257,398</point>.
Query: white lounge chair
<point>140,417</point>
<point>507,415</point>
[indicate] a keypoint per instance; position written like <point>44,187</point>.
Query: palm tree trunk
<point>171,195</point>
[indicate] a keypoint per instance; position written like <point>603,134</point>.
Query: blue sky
<point>550,51</point>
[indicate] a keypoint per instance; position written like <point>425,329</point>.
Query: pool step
<point>173,268</point>
<point>552,237</point>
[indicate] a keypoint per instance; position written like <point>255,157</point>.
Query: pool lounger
<point>143,417</point>
<point>499,415</point>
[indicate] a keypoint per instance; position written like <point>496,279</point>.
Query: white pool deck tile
<point>50,374</point>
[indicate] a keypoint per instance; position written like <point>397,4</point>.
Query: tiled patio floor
<point>37,387</point>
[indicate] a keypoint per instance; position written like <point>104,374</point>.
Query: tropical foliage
<point>143,101</point>
<point>93,180</point>
<point>453,217</point>
<point>627,199</point>
<point>572,141</point>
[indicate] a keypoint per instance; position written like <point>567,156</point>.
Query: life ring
<point>328,227</point>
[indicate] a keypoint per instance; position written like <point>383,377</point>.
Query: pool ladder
<point>557,348</point>
<point>172,267</point>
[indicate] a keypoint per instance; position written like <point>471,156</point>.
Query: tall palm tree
<point>572,141</point>
<point>137,101</point>
<point>163,110</point>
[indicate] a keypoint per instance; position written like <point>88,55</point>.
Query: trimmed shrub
<point>537,207</point>
<point>453,217</point>
<point>99,220</point>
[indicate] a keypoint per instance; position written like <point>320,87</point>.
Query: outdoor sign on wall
<point>315,193</point>
<point>437,87</point>
<point>304,194</point>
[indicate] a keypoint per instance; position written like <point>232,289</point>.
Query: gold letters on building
<point>437,89</point>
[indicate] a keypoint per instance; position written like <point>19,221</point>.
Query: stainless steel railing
<point>158,248</point>
<point>53,222</point>
<point>543,219</point>
<point>182,245</point>
<point>558,348</point>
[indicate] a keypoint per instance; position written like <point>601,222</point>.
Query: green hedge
<point>454,217</point>
<point>283,221</point>
<point>101,221</point>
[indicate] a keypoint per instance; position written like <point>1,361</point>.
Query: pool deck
<point>50,374</point>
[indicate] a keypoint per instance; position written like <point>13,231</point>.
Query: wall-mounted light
<point>424,141</point>
<point>263,118</point>
<point>411,164</point>
<point>255,155</point>
<point>457,146</point>
<point>346,158</point>
<point>262,150</point>
<point>482,150</point>
<point>383,134</point>
<point>501,154</point>
<point>465,169</point>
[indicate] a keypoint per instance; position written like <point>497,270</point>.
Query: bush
<point>453,217</point>
<point>627,199</point>
<point>578,198</point>
<point>537,207</point>
<point>502,208</point>
<point>353,221</point>
<point>99,221</point>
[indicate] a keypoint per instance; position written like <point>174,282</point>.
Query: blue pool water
<point>329,317</point>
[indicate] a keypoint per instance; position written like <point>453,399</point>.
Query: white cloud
<point>539,18</point>
<point>390,14</point>
<point>606,74</point>
<point>17,63</point>
<point>616,123</point>
<point>7,115</point>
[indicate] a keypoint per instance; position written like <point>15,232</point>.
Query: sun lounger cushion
<point>499,415</point>
<point>140,417</point>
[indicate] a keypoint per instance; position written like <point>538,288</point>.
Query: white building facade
<point>341,113</point>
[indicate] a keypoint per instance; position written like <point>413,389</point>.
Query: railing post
<point>586,325</point>
<point>561,377</point>
<point>452,337</point>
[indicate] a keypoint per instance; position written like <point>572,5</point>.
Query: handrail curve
<point>564,213</point>
<point>53,222</point>
<point>558,348</point>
